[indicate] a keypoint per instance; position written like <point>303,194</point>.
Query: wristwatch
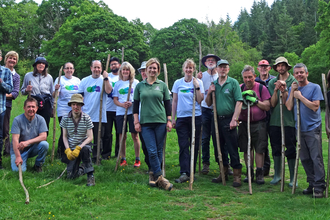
<point>198,88</point>
<point>106,79</point>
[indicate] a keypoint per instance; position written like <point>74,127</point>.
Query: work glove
<point>251,99</point>
<point>68,153</point>
<point>76,151</point>
<point>248,92</point>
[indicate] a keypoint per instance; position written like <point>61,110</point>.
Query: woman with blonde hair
<point>182,106</point>
<point>155,118</point>
<point>120,92</point>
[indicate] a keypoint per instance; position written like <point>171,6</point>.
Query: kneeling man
<point>77,136</point>
<point>29,133</point>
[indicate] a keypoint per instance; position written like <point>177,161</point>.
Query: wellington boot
<point>292,163</point>
<point>164,183</point>
<point>219,179</point>
<point>237,177</point>
<point>152,182</point>
<point>277,168</point>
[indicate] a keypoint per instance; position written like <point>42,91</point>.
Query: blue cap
<point>40,60</point>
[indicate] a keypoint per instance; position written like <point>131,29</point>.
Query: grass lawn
<point>125,194</point>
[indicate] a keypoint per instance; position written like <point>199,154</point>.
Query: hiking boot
<point>90,180</point>
<point>260,176</point>
<point>152,182</point>
<point>246,180</point>
<point>237,177</point>
<point>219,178</point>
<point>206,168</point>
<point>277,169</point>
<point>137,163</point>
<point>183,178</point>
<point>38,169</point>
<point>123,162</point>
<point>318,194</point>
<point>163,183</point>
<point>308,191</point>
<point>230,171</point>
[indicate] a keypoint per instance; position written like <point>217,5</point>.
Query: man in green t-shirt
<point>281,83</point>
<point>229,101</point>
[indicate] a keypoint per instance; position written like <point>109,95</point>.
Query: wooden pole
<point>20,174</point>
<point>327,109</point>
<point>192,148</point>
<point>249,149</point>
<point>124,126</point>
<point>122,54</point>
<point>53,180</point>
<point>298,147</point>
<point>54,114</point>
<point>100,118</point>
<point>222,170</point>
<point>29,93</point>
<point>201,134</point>
<point>283,143</point>
<point>164,147</point>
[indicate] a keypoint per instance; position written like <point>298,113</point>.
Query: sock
<point>90,173</point>
<point>137,158</point>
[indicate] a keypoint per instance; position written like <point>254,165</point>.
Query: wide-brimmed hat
<point>40,60</point>
<point>222,62</point>
<point>76,98</point>
<point>210,55</point>
<point>143,66</point>
<point>281,60</point>
<point>263,63</point>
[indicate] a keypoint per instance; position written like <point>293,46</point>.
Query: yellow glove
<point>68,153</point>
<point>76,151</point>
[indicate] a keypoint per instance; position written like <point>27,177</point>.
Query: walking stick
<point>164,147</point>
<point>283,142</point>
<point>327,124</point>
<point>122,54</point>
<point>249,149</point>
<point>124,125</point>
<point>222,170</point>
<point>100,118</point>
<point>54,113</point>
<point>192,148</point>
<point>29,93</point>
<point>201,134</point>
<point>298,147</point>
<point>53,180</point>
<point>20,174</point>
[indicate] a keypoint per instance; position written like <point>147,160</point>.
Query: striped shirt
<point>77,132</point>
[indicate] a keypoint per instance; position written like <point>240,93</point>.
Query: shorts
<point>120,121</point>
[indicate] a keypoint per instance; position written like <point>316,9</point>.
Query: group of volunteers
<point>150,112</point>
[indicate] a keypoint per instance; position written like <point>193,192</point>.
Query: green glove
<point>76,151</point>
<point>251,99</point>
<point>68,153</point>
<point>248,92</point>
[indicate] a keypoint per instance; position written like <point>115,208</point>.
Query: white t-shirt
<point>185,91</point>
<point>92,90</point>
<point>68,87</point>
<point>207,79</point>
<point>120,91</point>
<point>111,107</point>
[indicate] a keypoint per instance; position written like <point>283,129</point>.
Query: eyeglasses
<point>265,67</point>
<point>69,68</point>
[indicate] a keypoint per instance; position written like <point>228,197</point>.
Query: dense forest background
<point>80,31</point>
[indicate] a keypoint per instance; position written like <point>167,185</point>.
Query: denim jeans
<point>145,151</point>
<point>184,131</point>
<point>208,130</point>
<point>2,116</point>
<point>108,136</point>
<point>154,137</point>
<point>39,149</point>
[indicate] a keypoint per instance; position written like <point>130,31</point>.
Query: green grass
<point>125,194</point>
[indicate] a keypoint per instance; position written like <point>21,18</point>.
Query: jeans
<point>145,151</point>
<point>2,116</point>
<point>108,136</point>
<point>184,132</point>
<point>228,144</point>
<point>96,134</point>
<point>208,130</point>
<point>154,137</point>
<point>60,145</point>
<point>5,129</point>
<point>39,149</point>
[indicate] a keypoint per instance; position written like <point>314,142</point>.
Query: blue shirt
<point>5,87</point>
<point>309,119</point>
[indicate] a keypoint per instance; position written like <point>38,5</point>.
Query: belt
<point>221,117</point>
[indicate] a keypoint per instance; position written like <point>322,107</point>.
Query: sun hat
<point>76,98</point>
<point>208,56</point>
<point>281,60</point>
<point>143,66</point>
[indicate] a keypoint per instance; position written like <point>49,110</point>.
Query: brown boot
<point>206,168</point>
<point>164,183</point>
<point>237,177</point>
<point>90,180</point>
<point>152,179</point>
<point>219,179</point>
